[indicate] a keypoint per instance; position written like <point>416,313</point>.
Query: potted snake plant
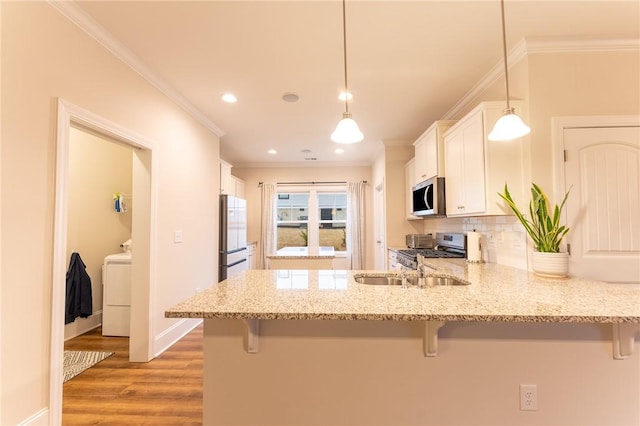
<point>545,230</point>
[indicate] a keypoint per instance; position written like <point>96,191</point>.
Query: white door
<point>379,224</point>
<point>603,210</point>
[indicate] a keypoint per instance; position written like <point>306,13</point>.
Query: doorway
<point>379,226</point>
<point>143,221</point>
<point>602,168</point>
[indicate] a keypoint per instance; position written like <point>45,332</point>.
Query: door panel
<point>603,210</point>
<point>379,227</point>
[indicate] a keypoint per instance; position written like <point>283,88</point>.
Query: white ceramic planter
<point>552,265</point>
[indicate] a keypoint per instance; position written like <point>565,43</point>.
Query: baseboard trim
<point>37,419</point>
<point>82,325</point>
<point>171,335</point>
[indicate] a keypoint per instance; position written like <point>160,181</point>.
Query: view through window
<point>312,219</point>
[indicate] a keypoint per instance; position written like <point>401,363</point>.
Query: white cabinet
<point>392,258</point>
<point>409,176</point>
<point>239,187</point>
<point>252,255</point>
<point>478,169</point>
<point>229,184</point>
<point>429,152</point>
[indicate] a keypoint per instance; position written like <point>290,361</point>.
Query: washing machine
<point>116,294</point>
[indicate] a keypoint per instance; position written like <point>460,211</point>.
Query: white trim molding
<point>68,115</point>
<point>171,335</point>
<point>540,45</point>
<point>38,418</point>
<point>86,23</point>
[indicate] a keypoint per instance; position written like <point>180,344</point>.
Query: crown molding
<point>541,45</point>
<point>86,23</point>
<point>302,164</point>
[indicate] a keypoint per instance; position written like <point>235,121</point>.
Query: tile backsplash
<point>504,240</point>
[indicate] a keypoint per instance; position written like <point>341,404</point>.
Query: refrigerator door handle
<point>236,263</point>
<point>236,250</point>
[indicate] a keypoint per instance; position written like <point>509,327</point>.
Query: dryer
<point>116,295</point>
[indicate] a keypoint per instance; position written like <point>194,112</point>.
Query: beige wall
<point>252,176</point>
<point>555,85</point>
<point>375,373</point>
<point>577,84</point>
<point>395,158</point>
<point>97,169</point>
<point>44,57</point>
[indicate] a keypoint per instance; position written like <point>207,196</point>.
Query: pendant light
<point>347,130</point>
<point>510,126</point>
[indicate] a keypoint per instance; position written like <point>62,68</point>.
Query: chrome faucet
<point>422,270</point>
<point>403,276</point>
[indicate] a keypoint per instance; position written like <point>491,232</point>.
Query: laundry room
<point>100,203</point>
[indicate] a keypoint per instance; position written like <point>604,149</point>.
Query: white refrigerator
<point>233,237</point>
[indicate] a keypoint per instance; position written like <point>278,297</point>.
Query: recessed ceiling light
<point>339,151</point>
<point>345,96</point>
<point>272,152</point>
<point>229,98</point>
<point>290,97</point>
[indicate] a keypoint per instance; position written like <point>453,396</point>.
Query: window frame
<point>313,220</point>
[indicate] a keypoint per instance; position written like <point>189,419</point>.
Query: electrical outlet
<point>528,397</point>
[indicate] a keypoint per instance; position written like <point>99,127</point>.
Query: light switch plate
<point>177,236</point>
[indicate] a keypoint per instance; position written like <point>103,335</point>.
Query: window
<point>312,218</point>
<point>293,219</point>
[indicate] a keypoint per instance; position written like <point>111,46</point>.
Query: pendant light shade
<point>510,126</point>
<point>347,130</point>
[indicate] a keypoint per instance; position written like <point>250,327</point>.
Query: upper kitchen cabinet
<point>429,152</point>
<point>478,169</point>
<point>409,178</point>
<point>229,184</point>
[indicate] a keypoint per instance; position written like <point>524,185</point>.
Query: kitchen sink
<point>378,280</point>
<point>427,281</point>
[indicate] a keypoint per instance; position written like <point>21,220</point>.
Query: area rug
<point>75,362</point>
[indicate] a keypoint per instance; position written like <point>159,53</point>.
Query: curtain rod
<point>312,183</point>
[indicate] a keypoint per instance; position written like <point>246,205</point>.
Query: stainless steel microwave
<point>428,198</point>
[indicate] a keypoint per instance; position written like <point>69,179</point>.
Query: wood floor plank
<point>165,391</point>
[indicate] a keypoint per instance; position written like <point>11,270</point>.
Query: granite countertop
<point>303,253</point>
<point>496,293</point>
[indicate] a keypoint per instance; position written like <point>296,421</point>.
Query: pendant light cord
<point>344,41</point>
<point>504,51</point>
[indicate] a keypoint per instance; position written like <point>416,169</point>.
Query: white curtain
<point>268,223</point>
<point>355,224</point>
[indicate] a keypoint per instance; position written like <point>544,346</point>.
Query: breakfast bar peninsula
<point>318,347</point>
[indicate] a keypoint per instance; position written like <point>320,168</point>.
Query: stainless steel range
<point>448,245</point>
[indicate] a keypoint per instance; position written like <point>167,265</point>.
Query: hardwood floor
<point>165,391</point>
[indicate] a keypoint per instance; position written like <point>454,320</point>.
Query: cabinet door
<point>454,182</point>
<point>227,183</point>
<point>465,182</point>
<point>420,166</point>
<point>431,153</point>
<point>392,259</point>
<point>473,165</point>
<point>239,186</point>
<point>426,156</point>
<point>409,177</point>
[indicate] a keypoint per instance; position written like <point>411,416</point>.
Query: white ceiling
<point>409,62</point>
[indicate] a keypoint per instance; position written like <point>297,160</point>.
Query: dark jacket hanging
<point>79,302</point>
